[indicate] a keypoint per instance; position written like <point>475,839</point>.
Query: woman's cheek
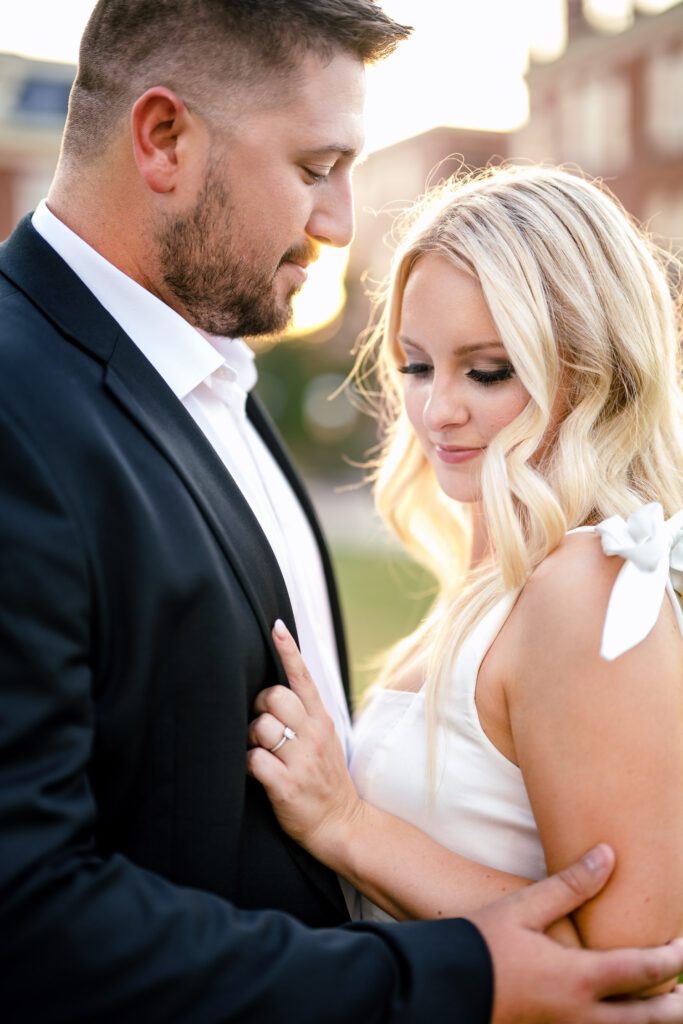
<point>414,405</point>
<point>507,408</point>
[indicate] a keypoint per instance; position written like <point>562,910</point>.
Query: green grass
<point>384,596</point>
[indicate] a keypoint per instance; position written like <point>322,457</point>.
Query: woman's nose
<point>444,408</point>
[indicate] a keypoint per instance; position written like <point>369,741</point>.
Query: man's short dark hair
<point>202,48</point>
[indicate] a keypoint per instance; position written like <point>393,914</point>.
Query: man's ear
<point>158,121</point>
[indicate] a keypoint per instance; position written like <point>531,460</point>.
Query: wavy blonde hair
<point>582,300</point>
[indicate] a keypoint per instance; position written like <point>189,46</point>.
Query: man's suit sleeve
<point>85,938</point>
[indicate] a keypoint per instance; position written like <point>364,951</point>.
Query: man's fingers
<point>666,1009</point>
<point>622,971</point>
<point>295,668</point>
<point>557,896</point>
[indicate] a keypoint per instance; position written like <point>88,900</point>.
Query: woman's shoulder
<point>582,601</point>
<point>561,608</point>
<point>575,580</point>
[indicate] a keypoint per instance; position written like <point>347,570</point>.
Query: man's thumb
<point>557,896</point>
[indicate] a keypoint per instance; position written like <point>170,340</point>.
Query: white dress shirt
<point>211,377</point>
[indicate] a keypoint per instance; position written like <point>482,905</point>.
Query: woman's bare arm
<point>403,871</point>
<point>600,744</point>
<point>391,862</point>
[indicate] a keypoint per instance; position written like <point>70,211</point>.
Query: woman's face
<point>458,384</point>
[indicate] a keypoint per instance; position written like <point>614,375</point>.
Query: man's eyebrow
<point>334,149</point>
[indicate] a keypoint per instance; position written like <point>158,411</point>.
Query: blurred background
<point>592,83</point>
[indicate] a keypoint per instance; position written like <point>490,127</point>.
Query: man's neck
<point>118,235</point>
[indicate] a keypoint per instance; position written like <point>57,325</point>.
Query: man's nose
<point>332,219</point>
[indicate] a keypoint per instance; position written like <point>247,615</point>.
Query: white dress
<point>481,809</point>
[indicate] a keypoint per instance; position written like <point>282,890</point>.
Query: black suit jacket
<point>137,594</point>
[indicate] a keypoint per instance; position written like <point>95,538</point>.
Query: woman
<point>529,354</point>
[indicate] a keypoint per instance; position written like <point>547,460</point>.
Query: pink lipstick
<point>453,455</point>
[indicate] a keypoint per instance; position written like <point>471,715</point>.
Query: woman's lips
<point>453,455</point>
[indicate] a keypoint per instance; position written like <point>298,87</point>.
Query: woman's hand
<point>315,801</point>
<point>305,776</point>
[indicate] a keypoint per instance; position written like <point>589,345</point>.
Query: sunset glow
<point>463,67</point>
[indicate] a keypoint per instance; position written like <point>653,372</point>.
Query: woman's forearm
<point>403,870</point>
<point>391,862</point>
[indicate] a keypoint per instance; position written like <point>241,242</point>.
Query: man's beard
<point>221,290</point>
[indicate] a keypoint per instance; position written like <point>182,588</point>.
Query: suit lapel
<point>135,384</point>
<point>139,389</point>
<point>37,270</point>
<point>40,273</point>
<point>262,422</point>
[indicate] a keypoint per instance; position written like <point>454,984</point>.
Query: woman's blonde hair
<point>582,300</point>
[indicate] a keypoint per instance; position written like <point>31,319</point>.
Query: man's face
<point>271,196</point>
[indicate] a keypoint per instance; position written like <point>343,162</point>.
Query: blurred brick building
<point>33,102</point>
<point>388,182</point>
<point>613,105</point>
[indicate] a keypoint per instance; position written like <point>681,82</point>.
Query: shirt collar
<point>238,359</point>
<point>182,355</point>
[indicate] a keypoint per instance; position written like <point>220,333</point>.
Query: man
<point>153,530</point>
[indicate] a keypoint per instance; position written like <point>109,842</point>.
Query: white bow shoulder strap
<point>652,549</point>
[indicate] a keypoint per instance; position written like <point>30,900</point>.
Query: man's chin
<point>280,320</point>
<point>282,312</point>
<point>247,320</point>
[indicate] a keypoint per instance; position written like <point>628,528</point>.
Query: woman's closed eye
<point>483,377</point>
<point>488,377</point>
<point>415,368</point>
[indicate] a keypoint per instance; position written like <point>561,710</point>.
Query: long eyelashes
<point>483,377</point>
<point>414,368</point>
<point>487,377</point>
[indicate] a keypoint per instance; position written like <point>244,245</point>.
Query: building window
<point>664,89</point>
<point>43,97</point>
<point>595,123</point>
<point>536,140</point>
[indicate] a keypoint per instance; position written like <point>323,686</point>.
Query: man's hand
<point>536,981</point>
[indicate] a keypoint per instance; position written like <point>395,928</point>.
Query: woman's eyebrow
<point>403,339</point>
<point>459,349</point>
